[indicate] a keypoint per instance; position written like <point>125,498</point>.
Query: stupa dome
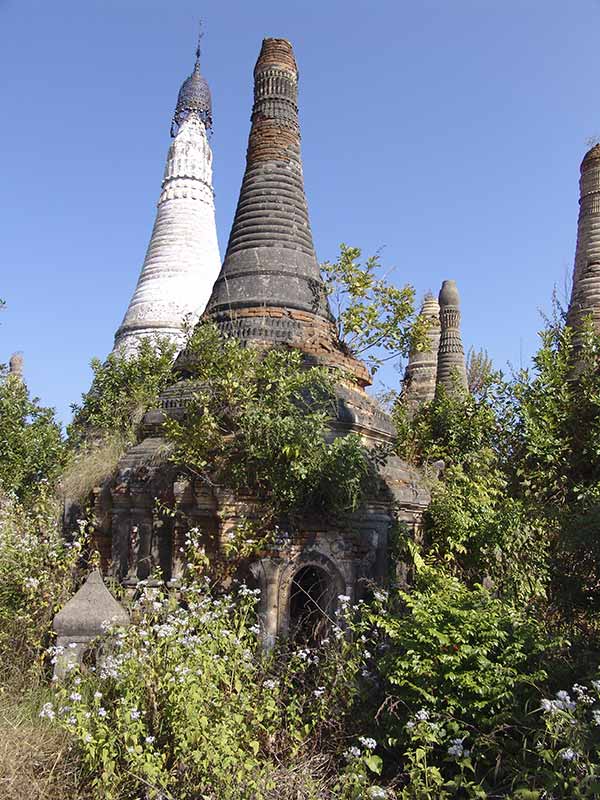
<point>449,294</point>
<point>193,98</point>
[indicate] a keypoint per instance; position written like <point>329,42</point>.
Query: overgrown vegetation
<point>257,423</point>
<point>375,319</point>
<point>478,680</point>
<point>122,390</point>
<point>31,444</point>
<point>107,420</point>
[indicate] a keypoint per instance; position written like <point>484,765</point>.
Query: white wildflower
<point>47,711</point>
<point>568,754</point>
<point>564,702</point>
<point>456,749</point>
<point>351,753</point>
<point>367,742</point>
<point>583,694</point>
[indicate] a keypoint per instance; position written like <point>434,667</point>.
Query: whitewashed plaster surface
<point>182,261</point>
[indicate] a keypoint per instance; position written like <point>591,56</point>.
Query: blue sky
<point>447,133</point>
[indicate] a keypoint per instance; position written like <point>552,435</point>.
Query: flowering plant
<point>186,702</point>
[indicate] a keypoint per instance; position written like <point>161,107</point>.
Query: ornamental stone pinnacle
<point>451,367</point>
<point>419,377</point>
<point>585,292</point>
<point>15,365</point>
<point>270,288</point>
<point>182,260</point>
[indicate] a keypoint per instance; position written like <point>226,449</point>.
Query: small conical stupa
<point>419,377</point>
<point>451,366</point>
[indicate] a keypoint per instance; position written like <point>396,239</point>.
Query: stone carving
<point>83,619</point>
<point>451,367</point>
<point>420,374</point>
<point>585,292</point>
<point>182,260</point>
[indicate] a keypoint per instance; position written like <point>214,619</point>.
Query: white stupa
<point>182,261</point>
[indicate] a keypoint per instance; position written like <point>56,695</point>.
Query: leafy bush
<point>475,525</point>
<point>31,443</point>
<point>37,575</point>
<point>258,423</point>
<point>375,319</point>
<point>459,650</point>
<point>123,388</point>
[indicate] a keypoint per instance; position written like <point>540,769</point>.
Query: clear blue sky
<point>448,132</point>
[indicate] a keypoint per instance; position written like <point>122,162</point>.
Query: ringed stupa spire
<point>419,377</point>
<point>451,366</point>
<point>585,292</point>
<point>182,260</point>
<point>270,290</point>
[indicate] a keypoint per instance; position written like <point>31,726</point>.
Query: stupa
<point>182,259</point>
<point>269,293</point>
<point>585,293</point>
<point>451,365</point>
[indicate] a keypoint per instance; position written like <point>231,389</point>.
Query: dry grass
<point>310,777</point>
<point>36,759</point>
<point>91,468</point>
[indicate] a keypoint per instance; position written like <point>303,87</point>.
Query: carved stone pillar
<point>141,518</point>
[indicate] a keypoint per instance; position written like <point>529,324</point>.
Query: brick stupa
<point>269,293</point>
<point>585,293</point>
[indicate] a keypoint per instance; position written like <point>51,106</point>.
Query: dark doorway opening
<point>310,605</point>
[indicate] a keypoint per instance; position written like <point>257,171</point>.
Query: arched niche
<point>308,593</point>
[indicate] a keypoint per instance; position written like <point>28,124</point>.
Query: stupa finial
<point>199,47</point>
<point>194,96</point>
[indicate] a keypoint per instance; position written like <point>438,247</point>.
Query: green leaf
<point>374,763</point>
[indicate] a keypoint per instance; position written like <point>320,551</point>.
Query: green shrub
<point>122,390</point>
<point>31,444</point>
<point>37,577</point>
<point>460,650</point>
<point>259,423</point>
